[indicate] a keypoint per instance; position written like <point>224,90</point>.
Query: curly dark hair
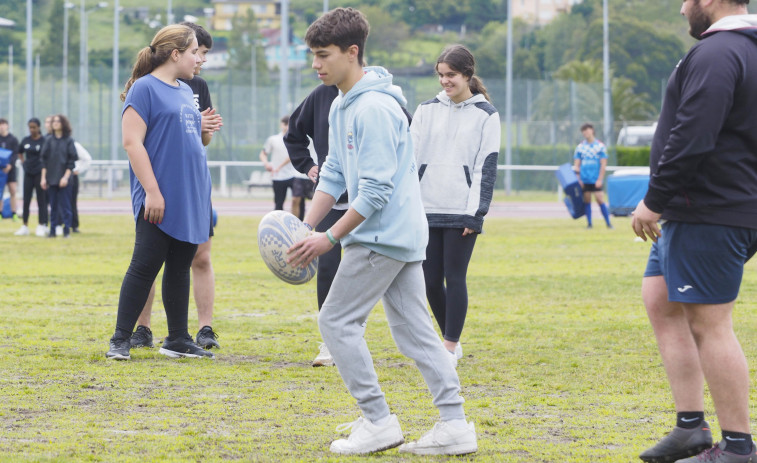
<point>65,124</point>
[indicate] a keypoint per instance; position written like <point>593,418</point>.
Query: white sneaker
<point>452,358</point>
<point>323,359</point>
<point>23,231</point>
<point>41,231</point>
<point>59,230</point>
<point>366,437</point>
<point>459,351</point>
<point>444,439</point>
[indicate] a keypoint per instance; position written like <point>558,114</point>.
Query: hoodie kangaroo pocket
<point>444,188</point>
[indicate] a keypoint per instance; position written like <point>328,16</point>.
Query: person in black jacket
<point>58,159</point>
<point>311,119</point>
<point>703,186</point>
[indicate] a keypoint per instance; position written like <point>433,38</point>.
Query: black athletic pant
<point>74,200</point>
<point>328,263</point>
<point>32,183</point>
<point>153,248</point>
<point>280,192</point>
<point>445,270</point>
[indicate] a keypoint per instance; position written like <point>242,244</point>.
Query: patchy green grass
<point>560,363</point>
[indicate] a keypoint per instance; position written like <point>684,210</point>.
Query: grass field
<point>560,364</point>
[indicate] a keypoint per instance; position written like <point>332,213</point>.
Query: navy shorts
<point>701,263</point>
<point>12,175</point>
<point>590,187</point>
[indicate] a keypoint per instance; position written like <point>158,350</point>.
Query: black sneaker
<point>184,347</point>
<point>142,337</point>
<point>119,349</point>
<point>680,443</point>
<point>206,338</point>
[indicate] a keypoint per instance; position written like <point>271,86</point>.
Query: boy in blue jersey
<point>590,161</point>
<point>384,235</point>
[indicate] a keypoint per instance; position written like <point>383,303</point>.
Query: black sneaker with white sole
<point>206,338</point>
<point>119,349</point>
<point>142,337</point>
<point>184,347</point>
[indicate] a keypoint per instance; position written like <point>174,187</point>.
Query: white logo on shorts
<point>684,288</point>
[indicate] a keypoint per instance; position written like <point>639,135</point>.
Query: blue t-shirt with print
<point>591,155</point>
<point>178,158</point>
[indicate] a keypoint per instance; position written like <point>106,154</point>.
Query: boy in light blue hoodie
<point>384,235</point>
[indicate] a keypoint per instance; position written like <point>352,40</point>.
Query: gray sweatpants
<point>363,278</point>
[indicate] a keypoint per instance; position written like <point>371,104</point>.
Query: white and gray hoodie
<point>456,149</point>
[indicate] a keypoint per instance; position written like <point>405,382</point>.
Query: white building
<point>540,11</point>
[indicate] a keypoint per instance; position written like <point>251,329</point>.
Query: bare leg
<point>676,344</point>
<point>296,205</point>
<point>204,284</point>
<point>723,363</point>
<point>144,317</point>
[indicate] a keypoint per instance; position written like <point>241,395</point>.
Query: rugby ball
<point>278,230</point>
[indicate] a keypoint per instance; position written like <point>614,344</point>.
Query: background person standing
<point>58,160</point>
<point>30,153</point>
<point>9,142</point>
<point>275,159</point>
<point>590,162</point>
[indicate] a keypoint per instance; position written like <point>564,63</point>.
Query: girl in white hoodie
<point>456,137</point>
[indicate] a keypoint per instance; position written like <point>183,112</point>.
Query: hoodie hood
<point>744,24</point>
<point>376,79</point>
<point>447,101</point>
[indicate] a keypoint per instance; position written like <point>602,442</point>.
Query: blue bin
<point>625,190</point>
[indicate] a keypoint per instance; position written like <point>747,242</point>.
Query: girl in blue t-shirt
<point>170,187</point>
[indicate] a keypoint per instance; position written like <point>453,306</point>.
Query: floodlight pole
<point>284,61</point>
<point>509,98</point>
<point>29,64</point>
<point>606,73</point>
<point>116,108</point>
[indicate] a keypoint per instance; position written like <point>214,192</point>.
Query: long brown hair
<point>460,59</point>
<point>65,125</point>
<point>168,39</point>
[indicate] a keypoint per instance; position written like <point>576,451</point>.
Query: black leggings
<point>328,263</point>
<point>153,248</point>
<point>32,183</point>
<point>447,256</point>
<point>74,200</point>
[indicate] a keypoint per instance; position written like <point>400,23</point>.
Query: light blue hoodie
<point>371,157</point>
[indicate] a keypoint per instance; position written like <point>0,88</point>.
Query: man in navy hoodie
<point>703,190</point>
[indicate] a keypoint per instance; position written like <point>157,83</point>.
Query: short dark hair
<point>203,36</point>
<point>34,120</point>
<point>284,120</point>
<point>3,120</point>
<point>342,27</point>
<point>587,126</point>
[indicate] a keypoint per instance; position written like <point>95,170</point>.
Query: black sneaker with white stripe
<point>184,347</point>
